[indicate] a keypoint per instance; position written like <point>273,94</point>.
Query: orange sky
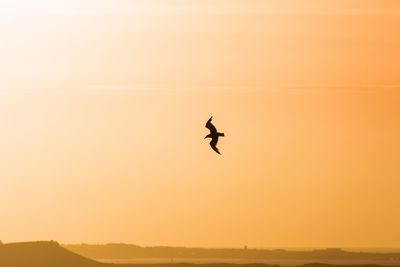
<point>103,106</point>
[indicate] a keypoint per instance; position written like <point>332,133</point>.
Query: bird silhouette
<point>214,135</point>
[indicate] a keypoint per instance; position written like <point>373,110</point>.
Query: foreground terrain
<point>51,254</point>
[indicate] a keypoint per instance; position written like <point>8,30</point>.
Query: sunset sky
<point>103,105</point>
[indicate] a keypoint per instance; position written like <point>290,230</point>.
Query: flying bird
<point>214,135</point>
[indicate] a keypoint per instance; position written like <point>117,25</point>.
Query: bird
<point>214,135</point>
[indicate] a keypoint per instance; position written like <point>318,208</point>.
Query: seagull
<point>214,135</point>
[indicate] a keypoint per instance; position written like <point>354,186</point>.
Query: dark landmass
<point>41,254</point>
<point>51,254</point>
<point>124,251</point>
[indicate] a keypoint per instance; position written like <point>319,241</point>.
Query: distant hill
<point>42,254</point>
<point>125,251</point>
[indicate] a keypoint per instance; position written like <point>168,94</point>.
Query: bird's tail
<point>221,134</point>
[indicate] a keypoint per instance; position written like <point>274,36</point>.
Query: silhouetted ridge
<point>41,254</point>
<point>126,251</point>
<point>51,254</point>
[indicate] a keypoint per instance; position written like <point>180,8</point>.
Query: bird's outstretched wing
<point>211,127</point>
<point>213,144</point>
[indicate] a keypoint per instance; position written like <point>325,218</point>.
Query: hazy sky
<point>103,106</point>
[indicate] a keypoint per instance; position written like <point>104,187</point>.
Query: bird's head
<point>208,136</point>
